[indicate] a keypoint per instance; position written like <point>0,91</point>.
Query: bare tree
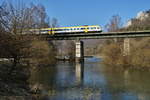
<point>114,24</point>
<point>13,21</point>
<point>54,23</point>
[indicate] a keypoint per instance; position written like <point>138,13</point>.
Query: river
<point>91,81</point>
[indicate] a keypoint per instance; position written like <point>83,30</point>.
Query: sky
<point>90,12</point>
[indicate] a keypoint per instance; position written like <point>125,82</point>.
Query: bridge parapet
<point>105,35</point>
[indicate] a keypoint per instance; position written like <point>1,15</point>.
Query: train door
<point>85,29</point>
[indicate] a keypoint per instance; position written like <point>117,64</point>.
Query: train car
<point>78,29</point>
<point>71,30</point>
<point>68,30</point>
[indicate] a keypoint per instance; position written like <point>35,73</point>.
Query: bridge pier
<point>126,49</point>
<point>79,56</point>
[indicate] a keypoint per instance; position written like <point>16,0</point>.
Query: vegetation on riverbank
<point>16,84</point>
<point>139,54</point>
<point>22,51</point>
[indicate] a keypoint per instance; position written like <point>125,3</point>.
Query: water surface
<point>91,81</point>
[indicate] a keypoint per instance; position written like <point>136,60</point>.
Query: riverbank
<point>138,56</point>
<point>14,86</point>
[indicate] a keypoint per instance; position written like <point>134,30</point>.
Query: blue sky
<point>91,12</point>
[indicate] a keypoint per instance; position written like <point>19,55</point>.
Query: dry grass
<point>42,53</point>
<point>139,54</point>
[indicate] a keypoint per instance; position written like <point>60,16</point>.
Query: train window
<point>82,28</point>
<point>58,30</point>
<point>92,27</point>
<point>64,29</point>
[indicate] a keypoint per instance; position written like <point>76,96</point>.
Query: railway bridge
<point>79,68</point>
<point>101,35</point>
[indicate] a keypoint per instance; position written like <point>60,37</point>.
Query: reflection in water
<point>79,72</point>
<point>90,81</point>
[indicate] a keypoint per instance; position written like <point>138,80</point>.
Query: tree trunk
<point>15,61</point>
